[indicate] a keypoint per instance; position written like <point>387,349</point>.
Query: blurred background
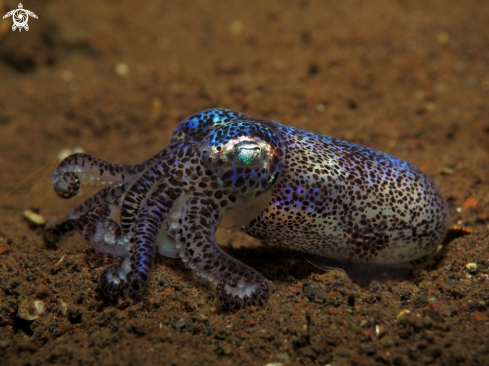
<point>113,78</point>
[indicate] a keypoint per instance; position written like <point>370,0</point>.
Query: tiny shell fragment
<point>447,171</point>
<point>31,309</point>
<point>63,307</point>
<point>403,312</point>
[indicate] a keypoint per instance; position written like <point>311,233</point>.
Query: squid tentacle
<point>128,278</point>
<point>237,285</point>
<point>78,169</point>
<point>137,195</point>
<point>85,222</point>
<point>107,196</point>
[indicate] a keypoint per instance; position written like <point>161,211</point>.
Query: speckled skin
<point>286,186</point>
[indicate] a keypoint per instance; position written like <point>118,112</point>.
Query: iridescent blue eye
<point>246,154</point>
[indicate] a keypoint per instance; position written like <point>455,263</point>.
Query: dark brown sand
<point>410,78</point>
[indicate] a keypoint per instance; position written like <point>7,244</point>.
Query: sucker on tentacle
<point>286,186</point>
<point>56,228</point>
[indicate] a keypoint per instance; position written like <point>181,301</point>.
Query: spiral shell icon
<point>20,17</point>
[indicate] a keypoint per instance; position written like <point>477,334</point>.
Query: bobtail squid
<point>283,185</point>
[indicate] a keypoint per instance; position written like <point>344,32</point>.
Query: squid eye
<point>246,154</point>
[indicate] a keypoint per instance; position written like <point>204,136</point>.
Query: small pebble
<point>30,310</point>
<point>60,260</point>
<point>378,331</point>
<point>471,267</point>
<point>180,324</point>
<point>34,217</point>
<point>447,171</point>
<point>403,312</point>
<point>67,152</point>
<point>63,307</point>
<point>121,69</point>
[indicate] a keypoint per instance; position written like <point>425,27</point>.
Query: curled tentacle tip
<point>67,185</point>
<point>112,280</point>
